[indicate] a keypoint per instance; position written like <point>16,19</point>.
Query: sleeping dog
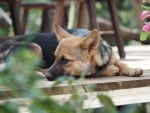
<point>69,52</point>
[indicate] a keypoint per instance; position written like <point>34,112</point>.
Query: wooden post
<point>92,14</point>
<point>83,20</point>
<point>115,23</point>
<point>15,15</point>
<point>46,20</point>
<point>59,12</point>
<point>24,19</point>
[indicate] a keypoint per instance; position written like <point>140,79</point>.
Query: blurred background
<point>118,21</point>
<point>127,14</point>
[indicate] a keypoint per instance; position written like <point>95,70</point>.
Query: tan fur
<point>81,51</point>
<point>78,51</point>
<point>36,49</point>
<point>110,70</point>
<point>77,59</point>
<point>60,33</point>
<point>116,67</point>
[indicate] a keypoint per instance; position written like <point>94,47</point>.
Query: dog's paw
<point>132,72</point>
<point>135,72</point>
<point>111,70</point>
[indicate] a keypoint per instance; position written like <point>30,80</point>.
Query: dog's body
<point>69,53</point>
<point>47,42</point>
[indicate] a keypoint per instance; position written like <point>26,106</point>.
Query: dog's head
<point>73,54</point>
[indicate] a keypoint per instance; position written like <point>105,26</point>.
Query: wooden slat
<point>119,97</point>
<point>100,84</point>
<point>38,5</point>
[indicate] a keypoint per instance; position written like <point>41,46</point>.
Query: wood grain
<point>99,84</point>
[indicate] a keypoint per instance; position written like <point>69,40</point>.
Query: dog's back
<point>47,41</point>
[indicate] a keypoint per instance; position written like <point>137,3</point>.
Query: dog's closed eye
<point>64,60</point>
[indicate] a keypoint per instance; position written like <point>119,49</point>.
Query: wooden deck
<point>122,90</point>
<point>137,56</point>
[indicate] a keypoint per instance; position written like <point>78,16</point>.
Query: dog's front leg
<point>124,69</point>
<point>110,70</point>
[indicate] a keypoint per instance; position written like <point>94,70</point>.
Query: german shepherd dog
<point>69,52</point>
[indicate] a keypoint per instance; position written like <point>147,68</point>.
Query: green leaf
<point>145,7</point>
<point>109,107</point>
<point>143,36</point>
<point>8,107</point>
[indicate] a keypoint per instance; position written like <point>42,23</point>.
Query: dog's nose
<point>49,76</point>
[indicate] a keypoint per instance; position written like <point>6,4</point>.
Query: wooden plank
<point>100,84</point>
<point>38,5</point>
<point>119,97</point>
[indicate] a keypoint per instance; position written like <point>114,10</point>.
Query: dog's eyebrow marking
<point>67,57</point>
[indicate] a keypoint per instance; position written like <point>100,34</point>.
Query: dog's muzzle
<point>50,77</point>
<point>54,71</point>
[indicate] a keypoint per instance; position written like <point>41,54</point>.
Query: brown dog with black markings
<point>74,53</point>
<point>70,52</point>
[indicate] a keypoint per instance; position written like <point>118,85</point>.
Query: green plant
<point>124,9</point>
<point>145,15</point>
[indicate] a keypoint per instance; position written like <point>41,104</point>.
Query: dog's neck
<point>101,59</point>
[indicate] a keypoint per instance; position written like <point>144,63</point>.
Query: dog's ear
<point>60,32</point>
<point>91,41</point>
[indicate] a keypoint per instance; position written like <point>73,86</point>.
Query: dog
<point>70,52</point>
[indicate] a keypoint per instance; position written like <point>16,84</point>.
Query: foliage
<point>124,9</point>
<point>143,36</point>
<point>109,107</point>
<point>145,15</point>
<point>34,21</point>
